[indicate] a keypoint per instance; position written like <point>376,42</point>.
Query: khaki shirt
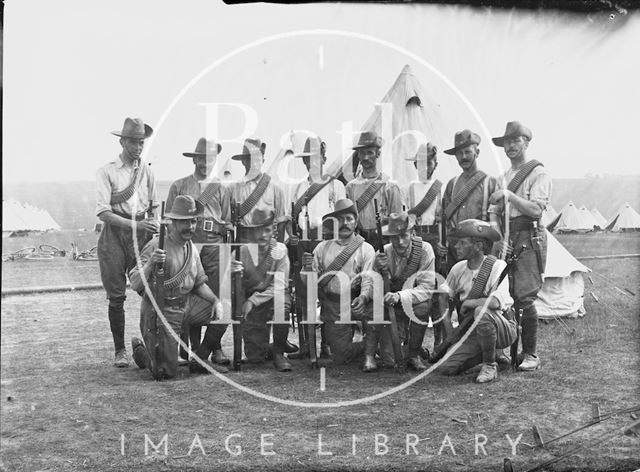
<point>321,204</point>
<point>475,206</point>
<point>218,207</point>
<point>389,199</point>
<point>273,198</point>
<point>461,279</point>
<point>264,291</point>
<point>414,193</point>
<point>535,188</point>
<point>421,290</point>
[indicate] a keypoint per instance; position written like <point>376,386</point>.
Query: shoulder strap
<point>342,258</point>
<point>252,199</point>
<point>481,279</point>
<point>463,194</point>
<point>428,199</point>
<point>522,174</point>
<point>266,263</point>
<point>368,194</point>
<point>412,264</point>
<point>208,193</point>
<point>177,279</point>
<point>308,195</point>
<point>125,194</point>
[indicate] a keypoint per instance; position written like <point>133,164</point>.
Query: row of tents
<point>582,220</point>
<point>21,218</point>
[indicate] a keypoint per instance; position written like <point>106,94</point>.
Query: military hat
<point>472,228</point>
<point>462,139</point>
<point>259,218</point>
<point>343,205</point>
<point>398,223</point>
<point>250,145</point>
<point>428,149</point>
<point>369,139</point>
<point>204,147</point>
<point>513,130</point>
<point>312,147</point>
<point>185,208</point>
<point>134,128</point>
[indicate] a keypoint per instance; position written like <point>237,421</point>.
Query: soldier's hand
<point>441,250</point>
<point>499,196</point>
<point>152,226</point>
<point>357,305</point>
<point>381,262</point>
<point>391,298</point>
<point>236,267</point>
<point>293,240</point>
<point>504,249</point>
<point>159,256</point>
<point>217,311</point>
<point>246,308</point>
<point>307,260</point>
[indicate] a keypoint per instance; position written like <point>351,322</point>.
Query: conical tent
<point>588,217</point>
<point>401,119</point>
<point>601,221</point>
<point>625,219</point>
<point>19,217</point>
<point>572,219</point>
<point>562,293</point>
<point>548,215</point>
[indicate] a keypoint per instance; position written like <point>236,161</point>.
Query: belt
<point>522,223</point>
<point>209,225</point>
<point>138,217</point>
<point>175,302</point>
<point>427,229</point>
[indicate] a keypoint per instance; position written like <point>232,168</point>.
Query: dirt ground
<point>65,407</point>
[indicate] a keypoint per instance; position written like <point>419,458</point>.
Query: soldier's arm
<point>144,268</point>
<point>424,283</point>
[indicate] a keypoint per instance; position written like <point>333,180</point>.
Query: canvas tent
<point>562,293</point>
<point>548,215</point>
<point>588,217</point>
<point>601,221</point>
<point>23,218</point>
<point>571,219</point>
<point>625,219</point>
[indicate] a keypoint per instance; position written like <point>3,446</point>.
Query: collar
<point>255,179</point>
<point>120,163</point>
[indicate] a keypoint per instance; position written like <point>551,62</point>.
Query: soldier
<point>260,287</point>
<point>311,200</point>
<point>256,191</point>
<point>352,256</point>
<point>472,282</point>
<point>404,257</point>
<point>372,184</point>
<point>211,231</point>
<point>124,188</point>
<point>526,186</point>
<point>467,195</point>
<point>188,300</point>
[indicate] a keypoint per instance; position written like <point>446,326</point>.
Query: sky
<point>73,70</point>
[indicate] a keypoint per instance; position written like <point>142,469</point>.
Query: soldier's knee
<point>117,303</point>
<point>449,370</point>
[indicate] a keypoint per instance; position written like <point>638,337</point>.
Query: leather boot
<point>369,364</point>
<point>415,363</point>
<point>219,358</point>
<point>139,353</point>
<point>416,335</point>
<point>303,353</point>
<point>325,351</point>
<point>488,373</point>
<point>281,363</point>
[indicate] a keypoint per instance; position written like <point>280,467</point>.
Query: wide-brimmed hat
<point>343,205</point>
<point>368,139</point>
<point>204,148</point>
<point>185,208</point>
<point>399,223</point>
<point>513,130</point>
<point>462,139</point>
<point>426,149</point>
<point>312,147</point>
<point>250,144</point>
<point>259,218</point>
<point>134,128</point>
<point>472,228</point>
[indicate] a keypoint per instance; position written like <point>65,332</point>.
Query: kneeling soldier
<point>406,256</point>
<point>474,282</point>
<point>260,287</point>
<point>187,299</point>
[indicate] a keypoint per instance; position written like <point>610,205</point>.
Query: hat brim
<point>490,235</point>
<point>499,141</point>
<point>175,216</point>
<point>453,150</point>
<point>148,131</point>
<point>239,157</point>
<point>201,154</point>
<point>362,146</point>
<point>351,209</point>
<point>268,222</point>
<point>386,232</point>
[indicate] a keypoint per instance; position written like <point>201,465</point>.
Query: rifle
<point>466,323</point>
<point>293,285</point>
<point>311,329</point>
<point>443,263</point>
<point>389,310</point>
<point>159,296</point>
<point>237,296</point>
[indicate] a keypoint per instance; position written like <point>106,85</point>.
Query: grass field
<point>64,407</point>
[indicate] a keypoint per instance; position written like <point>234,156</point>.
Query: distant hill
<point>72,204</point>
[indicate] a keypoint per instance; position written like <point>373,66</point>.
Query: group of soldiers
<point>371,255</point>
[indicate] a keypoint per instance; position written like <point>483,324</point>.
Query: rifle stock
<point>389,310</point>
<point>159,296</point>
<point>237,298</point>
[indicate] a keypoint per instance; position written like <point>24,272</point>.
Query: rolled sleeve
<point>103,192</point>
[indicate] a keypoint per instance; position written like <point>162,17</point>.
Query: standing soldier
<point>407,258</point>
<point>211,231</point>
<point>526,187</point>
<point>372,184</point>
<point>311,200</point>
<point>261,287</point>
<point>124,188</point>
<point>257,191</point>
<point>347,257</point>
<point>186,298</point>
